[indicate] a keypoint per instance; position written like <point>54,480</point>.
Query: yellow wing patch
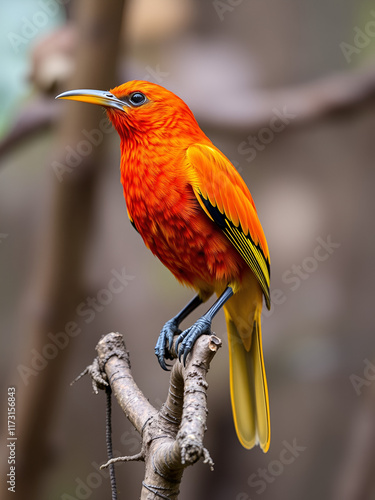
<point>225,198</point>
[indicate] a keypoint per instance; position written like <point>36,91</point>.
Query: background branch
<point>346,91</point>
<point>57,284</point>
<point>309,102</point>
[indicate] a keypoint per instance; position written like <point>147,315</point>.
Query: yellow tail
<point>248,384</point>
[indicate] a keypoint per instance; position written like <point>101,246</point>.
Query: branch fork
<point>172,438</point>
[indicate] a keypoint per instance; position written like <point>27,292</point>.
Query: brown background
<point>313,180</point>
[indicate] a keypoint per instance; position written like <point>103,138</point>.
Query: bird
<point>194,212</point>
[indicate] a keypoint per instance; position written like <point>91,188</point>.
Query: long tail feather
<point>248,386</point>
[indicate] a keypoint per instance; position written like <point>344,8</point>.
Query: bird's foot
<point>187,338</point>
<point>165,342</point>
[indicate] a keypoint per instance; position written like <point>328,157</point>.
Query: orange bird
<point>196,214</point>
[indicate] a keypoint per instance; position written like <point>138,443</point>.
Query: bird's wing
<point>225,198</point>
<point>131,221</point>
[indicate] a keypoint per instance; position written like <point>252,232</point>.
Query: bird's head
<point>139,107</point>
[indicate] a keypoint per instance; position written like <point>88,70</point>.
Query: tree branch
<point>172,438</point>
<point>309,102</point>
<point>339,93</point>
<point>56,284</point>
<point>114,360</point>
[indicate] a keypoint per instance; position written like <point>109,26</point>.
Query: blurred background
<point>286,89</point>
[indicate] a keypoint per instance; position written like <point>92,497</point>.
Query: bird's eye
<point>137,98</point>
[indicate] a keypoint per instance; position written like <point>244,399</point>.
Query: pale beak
<point>100,97</point>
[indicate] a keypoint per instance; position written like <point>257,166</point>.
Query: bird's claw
<point>187,338</point>
<point>165,342</point>
<point>163,364</point>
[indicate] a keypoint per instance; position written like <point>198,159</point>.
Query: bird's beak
<point>100,97</point>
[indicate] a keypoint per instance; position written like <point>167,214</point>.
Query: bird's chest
<point>161,205</point>
<point>164,210</point>
<point>158,208</point>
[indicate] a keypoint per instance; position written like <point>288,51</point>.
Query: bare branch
<point>172,438</point>
<point>114,358</point>
<point>132,458</point>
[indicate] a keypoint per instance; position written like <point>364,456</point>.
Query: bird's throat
<point>152,181</point>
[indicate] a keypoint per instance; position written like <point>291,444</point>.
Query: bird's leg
<point>164,343</point>
<point>187,338</point>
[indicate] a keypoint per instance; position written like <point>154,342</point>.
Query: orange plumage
<point>196,214</point>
